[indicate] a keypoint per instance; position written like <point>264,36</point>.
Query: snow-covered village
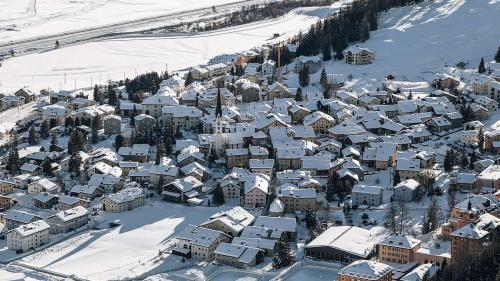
<point>225,140</point>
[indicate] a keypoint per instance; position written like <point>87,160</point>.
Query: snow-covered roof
<point>236,219</point>
<point>410,184</point>
<point>261,163</point>
<point>19,216</point>
<point>126,195</point>
<point>401,241</point>
<point>470,231</point>
<point>280,223</point>
<point>199,235</point>
<point>276,206</point>
<point>71,214</point>
<point>369,270</point>
<point>32,228</point>
<point>418,273</point>
<point>408,165</point>
<point>352,239</point>
<point>367,189</point>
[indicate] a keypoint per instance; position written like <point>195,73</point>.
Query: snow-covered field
<point>98,61</point>
<point>29,18</point>
<point>128,250</point>
<point>414,41</point>
<point>12,272</point>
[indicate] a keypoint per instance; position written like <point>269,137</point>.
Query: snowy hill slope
<point>413,41</point>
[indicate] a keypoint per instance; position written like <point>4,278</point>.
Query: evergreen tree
<point>45,130</point>
<point>97,94</point>
<point>304,77</point>
<point>333,181</point>
<point>189,79</point>
<point>403,217</point>
<point>160,152</point>
<point>13,162</point>
<point>310,219</point>
<point>449,160</point>
<point>497,55</point>
<point>112,98</point>
<point>323,80</point>
<point>482,67</point>
<point>47,168</point>
<point>32,139</point>
<point>472,160</point>
<point>397,178</point>
<point>218,195</point>
<point>433,216</point>
<point>54,143</point>
<point>327,52</point>
<point>75,163</point>
<point>298,95</point>
<point>480,142</point>
<point>76,142</point>
<point>118,142</point>
<point>283,257</point>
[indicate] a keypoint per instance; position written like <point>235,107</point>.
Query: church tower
<point>218,126</point>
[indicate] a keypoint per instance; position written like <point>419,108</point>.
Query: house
<point>319,121</point>
<point>181,190</point>
<point>398,248</point>
<point>276,208</point>
<point>406,191</point>
<point>369,195</point>
<point>335,81</point>
<point>68,202</point>
<point>237,157</point>
<point>263,166</point>
<point>287,226</point>
<point>437,252</point>
<point>13,218</point>
<point>421,272</point>
<point>289,158</point>
<point>86,192</point>
<point>152,105</point>
<point>298,113</point>
<point>439,125</point>
<point>445,82</point>
<point>469,136</point>
<point>44,200</point>
<point>358,55</point>
<point>238,255</point>
<point>258,152</point>
<point>32,169</point>
<point>181,116</point>
<point>255,191</point>
<point>42,185</point>
<point>199,243</point>
<point>231,222</point>
<point>130,109</point>
<point>278,91</point>
<point>480,85</point>
<point>490,177</point>
<point>408,168</point>
<point>174,82</point>
<point>467,241</point>
<point>494,91</point>
<point>144,124</point>
<point>250,92</point>
<point>268,68</point>
<point>297,199</point>
<point>112,125</point>
<point>124,200</point>
<point>345,243</point>
<point>28,237</point>
<point>194,169</point>
<point>138,152</point>
<point>380,155</point>
<point>463,181</point>
<point>68,220</point>
<point>5,202</point>
<point>7,186</point>
<point>107,183</point>
<point>312,63</point>
<point>217,69</point>
<point>365,271</point>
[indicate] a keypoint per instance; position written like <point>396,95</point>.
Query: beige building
<point>398,248</point>
<point>199,243</point>
<point>181,116</point>
<point>6,186</point>
<point>298,199</point>
<point>357,55</point>
<point>68,220</point>
<point>263,166</point>
<point>237,158</point>
<point>320,122</point>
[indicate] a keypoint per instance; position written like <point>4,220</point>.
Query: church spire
<point>218,108</point>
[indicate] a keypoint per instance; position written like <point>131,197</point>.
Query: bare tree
<point>404,217</point>
<point>391,221</point>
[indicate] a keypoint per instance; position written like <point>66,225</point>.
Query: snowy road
<point>47,42</point>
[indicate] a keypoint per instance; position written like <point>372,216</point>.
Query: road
<point>47,42</point>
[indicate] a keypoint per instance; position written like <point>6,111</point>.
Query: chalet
<point>86,192</point>
<point>5,203</point>
<point>181,190</point>
<point>13,218</point>
<point>408,168</point>
<point>42,185</point>
<point>44,200</point>
<point>358,55</point>
<point>367,195</point>
<point>231,222</point>
<point>199,243</point>
<point>255,190</point>
<point>406,191</point>
<point>366,270</point>
<point>238,255</point>
<point>125,200</point>
<point>288,226</point>
<point>7,186</point>
<point>68,202</point>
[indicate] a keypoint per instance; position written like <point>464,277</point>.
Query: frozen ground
<point>126,251</point>
<point>30,18</point>
<point>91,63</point>
<point>12,272</point>
<point>413,42</point>
<point>313,274</point>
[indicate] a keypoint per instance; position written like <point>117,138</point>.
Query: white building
<point>68,220</point>
<point>406,190</point>
<point>125,200</point>
<point>42,185</point>
<point>367,195</point>
<point>29,236</point>
<point>358,55</point>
